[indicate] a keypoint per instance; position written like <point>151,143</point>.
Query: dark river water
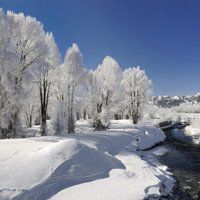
<point>183,160</point>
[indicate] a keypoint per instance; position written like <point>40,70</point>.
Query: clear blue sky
<point>162,36</point>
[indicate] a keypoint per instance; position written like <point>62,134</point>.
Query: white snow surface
<point>87,165</point>
<point>194,133</point>
<point>190,130</point>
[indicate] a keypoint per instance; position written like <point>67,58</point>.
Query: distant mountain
<point>170,101</point>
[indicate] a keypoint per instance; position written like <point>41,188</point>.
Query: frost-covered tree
<point>137,90</point>
<point>189,107</point>
<point>30,73</point>
<point>70,75</point>
<point>30,106</point>
<point>23,49</point>
<point>103,84</point>
<point>25,55</point>
<point>4,99</point>
<point>47,78</point>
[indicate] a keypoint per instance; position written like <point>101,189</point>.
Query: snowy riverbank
<point>88,165</point>
<point>190,130</point>
<point>194,133</point>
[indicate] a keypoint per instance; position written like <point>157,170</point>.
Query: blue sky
<point>162,36</point>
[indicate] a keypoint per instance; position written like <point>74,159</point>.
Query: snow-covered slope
<point>25,163</point>
<point>40,167</point>
<point>139,180</point>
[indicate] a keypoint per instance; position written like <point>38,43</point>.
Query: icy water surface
<point>183,160</point>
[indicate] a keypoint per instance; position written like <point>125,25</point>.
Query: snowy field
<point>91,165</point>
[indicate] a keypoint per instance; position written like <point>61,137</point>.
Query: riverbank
<point>194,133</point>
<point>97,165</point>
<point>183,159</point>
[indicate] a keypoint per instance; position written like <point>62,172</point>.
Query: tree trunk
<point>44,88</point>
<point>70,124</point>
<point>30,121</point>
<point>43,124</point>
<point>14,125</point>
<point>135,119</point>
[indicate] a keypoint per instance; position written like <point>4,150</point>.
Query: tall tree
<point>103,89</point>
<point>71,75</point>
<point>74,74</point>
<point>22,51</point>
<point>46,78</point>
<point>137,90</point>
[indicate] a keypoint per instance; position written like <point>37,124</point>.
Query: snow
<point>27,162</point>
<point>137,181</point>
<point>119,184</point>
<point>194,133</point>
<point>176,97</point>
<point>190,130</point>
<point>197,94</point>
<point>87,165</point>
<point>193,130</point>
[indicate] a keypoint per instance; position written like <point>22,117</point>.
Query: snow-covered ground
<point>193,130</point>
<point>194,133</point>
<point>87,165</point>
<point>190,130</point>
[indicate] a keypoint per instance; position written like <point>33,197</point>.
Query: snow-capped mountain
<point>170,101</point>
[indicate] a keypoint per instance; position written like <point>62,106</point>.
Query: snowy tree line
<point>192,107</point>
<point>36,86</point>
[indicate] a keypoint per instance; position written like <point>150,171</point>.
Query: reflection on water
<point>183,159</point>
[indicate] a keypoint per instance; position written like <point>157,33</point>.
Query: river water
<point>183,160</point>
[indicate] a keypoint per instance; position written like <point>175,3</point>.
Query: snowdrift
<point>40,167</point>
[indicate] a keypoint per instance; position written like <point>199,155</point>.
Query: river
<point>183,160</point>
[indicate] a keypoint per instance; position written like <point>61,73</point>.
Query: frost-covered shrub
<point>188,108</point>
<point>101,121</point>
